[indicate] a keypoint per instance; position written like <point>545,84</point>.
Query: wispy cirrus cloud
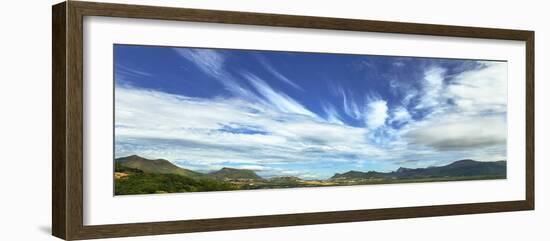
<point>266,64</point>
<point>211,62</point>
<point>349,105</point>
<point>124,73</point>
<point>277,100</point>
<point>331,114</point>
<point>123,69</point>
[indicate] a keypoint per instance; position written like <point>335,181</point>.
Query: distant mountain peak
<point>234,173</point>
<point>129,157</point>
<point>465,161</point>
<point>403,169</point>
<point>358,175</point>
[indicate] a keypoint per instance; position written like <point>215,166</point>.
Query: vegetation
<point>121,168</point>
<point>150,183</point>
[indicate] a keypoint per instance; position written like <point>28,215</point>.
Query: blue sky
<point>306,114</point>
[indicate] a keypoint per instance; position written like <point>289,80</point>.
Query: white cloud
<point>468,115</point>
<point>432,87</point>
<point>400,115</point>
<point>376,113</point>
<point>483,90</point>
<point>458,132</point>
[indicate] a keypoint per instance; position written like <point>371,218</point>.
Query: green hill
<point>146,176</point>
<point>158,166</point>
<point>151,183</point>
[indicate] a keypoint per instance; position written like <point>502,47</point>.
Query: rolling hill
<point>158,166</point>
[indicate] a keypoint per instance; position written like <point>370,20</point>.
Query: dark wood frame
<point>67,123</point>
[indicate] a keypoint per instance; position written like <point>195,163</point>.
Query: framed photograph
<point>171,120</point>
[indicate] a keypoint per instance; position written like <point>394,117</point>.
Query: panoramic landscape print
<point>203,119</point>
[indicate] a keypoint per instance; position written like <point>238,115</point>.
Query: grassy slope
<point>139,182</point>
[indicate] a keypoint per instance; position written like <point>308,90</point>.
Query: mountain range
<point>461,168</point>
<point>138,175</point>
